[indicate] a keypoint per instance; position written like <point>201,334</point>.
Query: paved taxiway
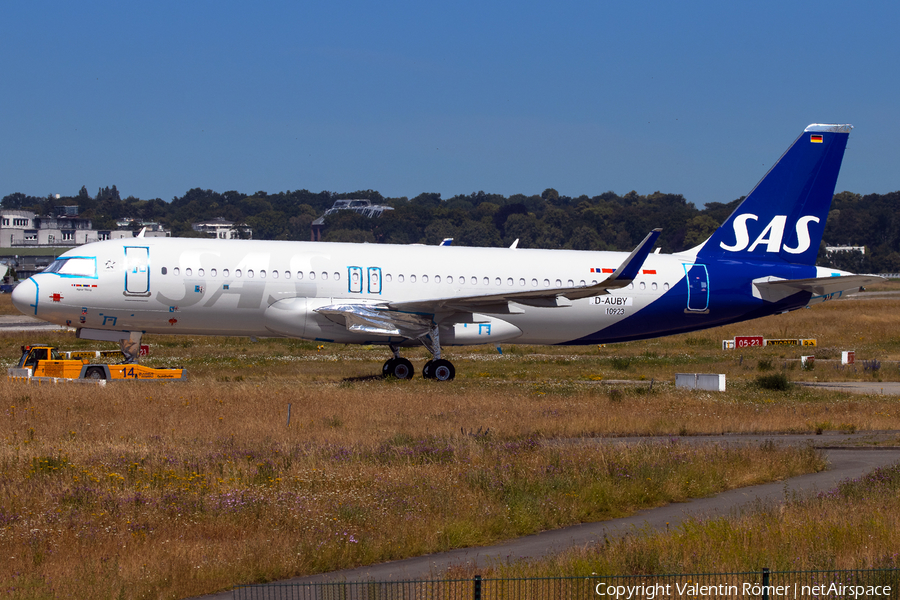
<point>849,456</point>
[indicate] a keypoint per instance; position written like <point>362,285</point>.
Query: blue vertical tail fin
<point>784,216</point>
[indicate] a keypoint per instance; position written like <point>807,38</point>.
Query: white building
<point>834,249</point>
<point>224,230</point>
<point>151,228</point>
<point>23,228</point>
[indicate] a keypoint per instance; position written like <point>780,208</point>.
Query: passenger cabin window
<point>188,272</point>
<point>224,272</point>
<point>163,270</point>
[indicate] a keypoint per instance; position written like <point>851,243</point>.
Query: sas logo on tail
<point>771,236</point>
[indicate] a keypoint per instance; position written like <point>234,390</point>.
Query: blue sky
<point>693,98</point>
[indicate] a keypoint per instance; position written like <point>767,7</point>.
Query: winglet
<point>629,269</point>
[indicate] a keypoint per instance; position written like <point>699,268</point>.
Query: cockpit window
<point>73,267</point>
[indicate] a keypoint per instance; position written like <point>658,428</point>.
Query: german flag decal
<point>816,138</point>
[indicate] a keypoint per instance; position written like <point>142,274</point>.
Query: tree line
<point>548,220</point>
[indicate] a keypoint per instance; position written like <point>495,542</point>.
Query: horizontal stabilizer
<point>773,289</point>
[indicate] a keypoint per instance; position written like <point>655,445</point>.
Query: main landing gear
<point>398,367</point>
<point>437,368</point>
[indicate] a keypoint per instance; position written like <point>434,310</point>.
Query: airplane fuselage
<point>216,287</point>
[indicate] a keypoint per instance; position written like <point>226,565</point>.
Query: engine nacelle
<point>296,318</point>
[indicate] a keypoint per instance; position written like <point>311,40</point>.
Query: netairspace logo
<point>755,590</point>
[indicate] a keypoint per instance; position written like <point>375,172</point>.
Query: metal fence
<point>774,585</point>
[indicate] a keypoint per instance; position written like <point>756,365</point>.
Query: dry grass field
<point>166,490</point>
<point>855,526</point>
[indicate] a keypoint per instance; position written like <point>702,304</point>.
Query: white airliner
<point>761,261</point>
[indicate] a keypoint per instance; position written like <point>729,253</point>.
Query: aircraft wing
<point>548,297</point>
<point>773,289</point>
<point>414,319</point>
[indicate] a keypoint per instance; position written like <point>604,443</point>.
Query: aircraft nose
<point>24,297</point>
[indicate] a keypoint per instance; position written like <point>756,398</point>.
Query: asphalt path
<point>881,388</point>
<point>25,323</point>
<point>849,456</point>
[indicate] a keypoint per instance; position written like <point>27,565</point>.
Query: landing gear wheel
<point>441,370</point>
<point>399,368</point>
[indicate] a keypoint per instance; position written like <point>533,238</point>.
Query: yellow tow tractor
<point>48,362</point>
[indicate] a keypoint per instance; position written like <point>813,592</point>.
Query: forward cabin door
<point>137,271</point>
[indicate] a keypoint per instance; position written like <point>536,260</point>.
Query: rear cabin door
<point>698,288</point>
